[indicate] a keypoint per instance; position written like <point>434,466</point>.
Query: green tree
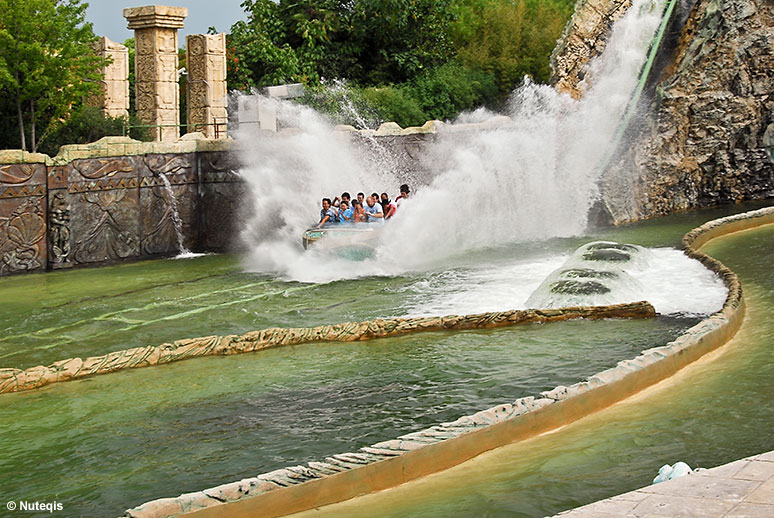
<point>371,42</point>
<point>46,62</point>
<point>509,38</point>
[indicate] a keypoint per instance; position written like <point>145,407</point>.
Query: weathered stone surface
<point>206,83</point>
<point>113,97</point>
<point>584,38</point>
<point>22,218</point>
<point>155,66</point>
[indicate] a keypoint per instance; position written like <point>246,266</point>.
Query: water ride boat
<point>352,241</point>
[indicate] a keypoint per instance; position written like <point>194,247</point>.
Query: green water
<point>720,411</point>
<point>111,442</point>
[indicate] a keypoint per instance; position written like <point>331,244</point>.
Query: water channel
<point>104,444</point>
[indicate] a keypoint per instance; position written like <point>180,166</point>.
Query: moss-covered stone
<point>607,255</point>
<point>588,273</point>
<point>572,287</point>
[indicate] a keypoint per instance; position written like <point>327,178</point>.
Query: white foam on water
<point>190,255</point>
<point>469,291</point>
<point>674,283</point>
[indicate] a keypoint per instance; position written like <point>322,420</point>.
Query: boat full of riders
<point>350,240</point>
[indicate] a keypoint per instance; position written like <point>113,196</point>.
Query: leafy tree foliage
<point>403,60</point>
<point>46,63</point>
<point>88,124</point>
<point>367,41</point>
<point>510,38</point>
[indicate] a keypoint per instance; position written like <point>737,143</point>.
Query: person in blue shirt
<point>327,214</point>
<point>373,210</point>
<point>346,213</point>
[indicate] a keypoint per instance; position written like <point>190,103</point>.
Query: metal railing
<point>220,127</point>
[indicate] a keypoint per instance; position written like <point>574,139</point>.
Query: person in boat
<point>358,213</point>
<point>361,199</point>
<point>328,213</point>
<point>404,194</point>
<point>344,197</point>
<point>346,213</point>
<point>373,210</point>
<point>388,206</point>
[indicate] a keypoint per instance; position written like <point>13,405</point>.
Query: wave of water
<point>531,179</point>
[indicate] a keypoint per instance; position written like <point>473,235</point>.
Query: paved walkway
<point>741,489</point>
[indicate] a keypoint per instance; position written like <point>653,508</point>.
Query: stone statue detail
<point>59,230</point>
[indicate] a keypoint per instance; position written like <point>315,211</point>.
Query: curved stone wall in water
<point>390,463</point>
<point>18,380</point>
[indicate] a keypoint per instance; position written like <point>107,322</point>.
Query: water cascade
<point>530,179</point>
<point>175,216</point>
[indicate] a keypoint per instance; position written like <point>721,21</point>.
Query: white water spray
<point>531,180</point>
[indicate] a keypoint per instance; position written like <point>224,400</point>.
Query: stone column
<point>206,66</point>
<point>155,65</point>
<point>113,97</point>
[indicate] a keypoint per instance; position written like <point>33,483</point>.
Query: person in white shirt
<point>373,210</point>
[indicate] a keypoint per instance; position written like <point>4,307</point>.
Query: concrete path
<point>741,489</point>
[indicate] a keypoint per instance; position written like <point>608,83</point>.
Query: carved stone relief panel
<point>219,166</point>
<point>58,176</point>
<point>22,234</point>
<point>59,233</point>
<point>144,41</point>
<point>221,215</point>
<point>22,217</point>
<point>104,225</point>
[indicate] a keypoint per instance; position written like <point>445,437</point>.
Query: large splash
<point>530,179</point>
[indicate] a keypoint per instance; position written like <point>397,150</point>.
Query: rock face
<point>584,38</point>
<point>708,135</point>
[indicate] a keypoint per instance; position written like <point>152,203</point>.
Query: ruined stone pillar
<point>206,66</point>
<point>113,97</point>
<point>155,65</point>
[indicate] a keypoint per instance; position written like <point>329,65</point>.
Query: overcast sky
<point>108,20</point>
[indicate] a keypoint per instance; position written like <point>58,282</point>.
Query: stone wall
<point>106,202</point>
<point>706,135</point>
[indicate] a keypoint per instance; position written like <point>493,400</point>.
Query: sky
<point>108,20</point>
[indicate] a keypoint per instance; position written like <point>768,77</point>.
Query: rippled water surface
<point>111,442</point>
<point>715,412</point>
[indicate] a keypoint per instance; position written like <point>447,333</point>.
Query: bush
<point>88,124</point>
<point>439,93</point>
<point>510,38</point>
<point>395,104</point>
<point>443,92</point>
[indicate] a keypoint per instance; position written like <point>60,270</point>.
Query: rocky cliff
<point>707,137</point>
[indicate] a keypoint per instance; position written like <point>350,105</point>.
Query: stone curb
<point>442,446</point>
<point>18,380</point>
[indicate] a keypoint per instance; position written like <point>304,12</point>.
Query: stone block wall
<point>88,206</point>
<point>114,95</point>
